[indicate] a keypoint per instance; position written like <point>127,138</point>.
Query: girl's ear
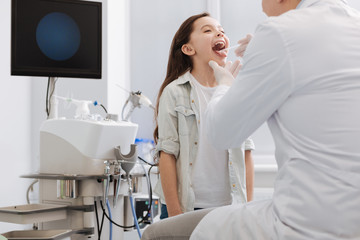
<point>187,49</point>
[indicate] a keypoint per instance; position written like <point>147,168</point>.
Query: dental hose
<point>133,209</point>
<point>111,226</point>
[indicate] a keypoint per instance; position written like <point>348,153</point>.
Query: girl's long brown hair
<point>178,63</point>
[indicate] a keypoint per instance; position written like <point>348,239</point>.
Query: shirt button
<point>230,163</point>
<point>195,143</point>
<point>192,101</point>
<point>190,164</point>
<point>233,185</point>
<point>199,121</point>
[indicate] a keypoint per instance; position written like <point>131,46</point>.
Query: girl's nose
<point>220,34</point>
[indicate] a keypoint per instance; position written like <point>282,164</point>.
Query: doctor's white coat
<point>302,76</point>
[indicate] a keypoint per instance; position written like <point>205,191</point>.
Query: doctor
<point>302,76</point>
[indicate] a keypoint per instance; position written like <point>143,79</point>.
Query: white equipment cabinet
<point>78,166</point>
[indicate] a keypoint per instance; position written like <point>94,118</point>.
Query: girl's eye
<point>207,30</point>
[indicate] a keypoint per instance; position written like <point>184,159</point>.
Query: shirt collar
<point>306,3</point>
<point>184,78</point>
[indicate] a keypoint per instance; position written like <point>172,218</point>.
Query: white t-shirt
<point>210,178</point>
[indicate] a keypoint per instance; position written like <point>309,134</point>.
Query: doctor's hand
<point>225,75</point>
<point>239,51</point>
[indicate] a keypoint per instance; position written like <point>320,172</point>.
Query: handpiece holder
<point>106,181</point>
<point>128,161</point>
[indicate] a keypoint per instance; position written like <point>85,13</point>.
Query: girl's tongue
<point>218,49</point>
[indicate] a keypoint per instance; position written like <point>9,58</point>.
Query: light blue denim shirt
<point>178,135</point>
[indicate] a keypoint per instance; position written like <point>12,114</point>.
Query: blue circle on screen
<point>58,36</point>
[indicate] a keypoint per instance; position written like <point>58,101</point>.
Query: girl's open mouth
<point>218,47</point>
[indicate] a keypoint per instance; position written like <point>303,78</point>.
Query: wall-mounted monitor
<point>56,38</point>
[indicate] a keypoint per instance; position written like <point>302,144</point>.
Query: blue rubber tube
<point>134,214</point>
<point>109,210</point>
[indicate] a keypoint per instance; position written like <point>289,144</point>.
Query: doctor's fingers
<point>243,45</point>
<point>235,68</point>
<point>239,52</point>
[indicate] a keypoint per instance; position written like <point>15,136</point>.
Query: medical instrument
<point>137,99</point>
<point>82,106</point>
<point>127,163</point>
<point>232,47</point>
<point>82,161</point>
<point>143,100</point>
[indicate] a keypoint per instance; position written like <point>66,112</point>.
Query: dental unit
<point>82,161</point>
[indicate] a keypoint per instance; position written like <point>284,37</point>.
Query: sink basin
<point>69,146</point>
<point>32,213</point>
<point>38,234</point>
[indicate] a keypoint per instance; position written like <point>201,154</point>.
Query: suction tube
<point>111,226</point>
<point>134,214</point>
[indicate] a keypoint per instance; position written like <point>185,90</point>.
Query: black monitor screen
<point>56,38</point>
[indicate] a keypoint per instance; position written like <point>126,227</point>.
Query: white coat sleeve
<point>263,84</point>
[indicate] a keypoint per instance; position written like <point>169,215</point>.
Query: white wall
<point>118,15</point>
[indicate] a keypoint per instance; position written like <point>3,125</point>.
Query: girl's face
<point>206,41</point>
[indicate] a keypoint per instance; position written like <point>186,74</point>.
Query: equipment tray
<point>32,213</point>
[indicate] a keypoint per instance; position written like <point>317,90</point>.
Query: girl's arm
<point>249,165</point>
<point>167,167</point>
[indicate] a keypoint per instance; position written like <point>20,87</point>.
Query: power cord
<point>99,227</point>
<point>48,98</point>
<point>116,224</point>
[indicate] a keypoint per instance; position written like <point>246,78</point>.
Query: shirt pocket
<point>186,120</point>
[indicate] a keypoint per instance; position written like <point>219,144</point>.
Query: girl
<point>193,173</point>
